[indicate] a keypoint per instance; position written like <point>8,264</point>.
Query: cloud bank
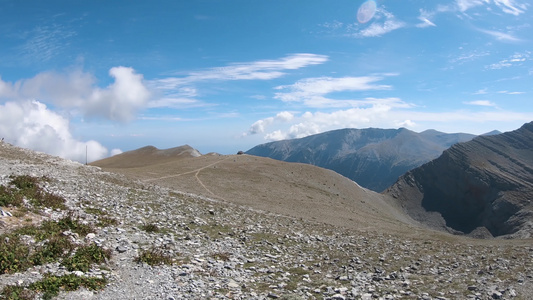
<point>26,121</point>
<point>30,124</point>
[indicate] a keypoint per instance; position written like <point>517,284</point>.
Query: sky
<point>98,77</point>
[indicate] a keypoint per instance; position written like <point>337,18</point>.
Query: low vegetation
<point>53,241</point>
<point>155,257</point>
<point>27,187</point>
<point>51,285</point>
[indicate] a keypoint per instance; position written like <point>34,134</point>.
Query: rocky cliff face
<point>485,185</point>
<point>374,158</point>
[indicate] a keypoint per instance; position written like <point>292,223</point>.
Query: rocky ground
<point>219,250</point>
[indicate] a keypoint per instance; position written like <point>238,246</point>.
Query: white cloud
<point>507,6</point>
<point>464,5</point>
<point>481,103</point>
<point>311,91</point>
<point>516,59</point>
<point>510,93</point>
<point>378,28</point>
<point>501,36</point>
<point>383,114</point>
<point>116,152</point>
<point>511,7</point>
<point>425,17</point>
<point>46,42</point>
<point>260,125</point>
<point>257,70</point>
<point>177,102</point>
<point>30,124</point>
<point>180,92</point>
<point>120,101</point>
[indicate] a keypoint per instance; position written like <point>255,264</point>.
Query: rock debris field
<point>211,249</point>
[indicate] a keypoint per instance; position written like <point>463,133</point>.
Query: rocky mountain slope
<point>374,158</point>
<point>165,242</point>
<point>298,190</point>
<point>484,186</point>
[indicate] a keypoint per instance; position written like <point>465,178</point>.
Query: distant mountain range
<point>374,158</point>
<point>483,187</point>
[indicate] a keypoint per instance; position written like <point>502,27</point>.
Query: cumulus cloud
<point>287,125</point>
<point>30,124</point>
<point>119,101</point>
<point>260,125</point>
<point>393,114</point>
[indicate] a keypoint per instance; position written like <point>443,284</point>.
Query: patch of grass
<point>150,227</point>
<point>94,211</point>
<point>24,182</point>
<point>53,250</point>
<point>51,228</point>
<point>42,199</point>
<point>9,197</point>
<point>86,256</point>
<point>222,256</point>
<point>104,221</point>
<point>28,186</point>
<point>154,257</point>
<point>51,285</point>
<point>16,255</point>
<point>13,292</point>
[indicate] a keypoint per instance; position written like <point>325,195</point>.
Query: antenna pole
<point>85,154</point>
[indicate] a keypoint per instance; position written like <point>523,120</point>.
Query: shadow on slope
<point>485,184</point>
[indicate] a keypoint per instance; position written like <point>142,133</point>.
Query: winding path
<point>196,171</point>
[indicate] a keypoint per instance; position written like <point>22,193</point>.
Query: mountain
<point>374,158</point>
<point>145,156</point>
<point>258,228</point>
<point>482,186</point>
<point>298,190</point>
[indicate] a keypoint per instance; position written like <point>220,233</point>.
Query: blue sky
<point>224,76</point>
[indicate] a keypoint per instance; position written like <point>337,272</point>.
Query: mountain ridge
<point>372,157</point>
<point>486,184</point>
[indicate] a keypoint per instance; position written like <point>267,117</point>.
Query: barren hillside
<point>78,232</point>
<point>298,190</point>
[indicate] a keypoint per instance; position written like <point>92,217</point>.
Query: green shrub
<point>51,285</point>
<point>13,292</point>
<point>154,257</point>
<point>9,197</point>
<point>86,256</point>
<point>56,248</point>
<point>150,227</point>
<point>14,254</point>
<point>24,182</point>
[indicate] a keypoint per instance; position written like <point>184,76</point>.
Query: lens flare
<point>366,11</point>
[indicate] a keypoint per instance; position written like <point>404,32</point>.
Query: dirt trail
<point>196,171</point>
